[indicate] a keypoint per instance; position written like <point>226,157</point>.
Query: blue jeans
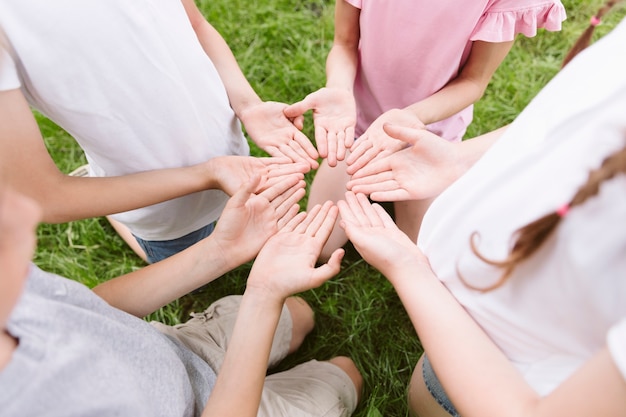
<point>435,388</point>
<point>157,250</point>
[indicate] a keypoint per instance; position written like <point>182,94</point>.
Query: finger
<point>407,135</point>
<point>341,145</point>
<point>358,148</point>
<point>373,168</point>
<point>274,160</point>
<point>278,170</point>
<point>371,214</point>
<point>349,139</point>
<point>374,189</point>
<point>328,270</point>
<point>302,227</point>
<point>284,202</point>
<point>305,143</point>
<point>297,109</point>
<point>328,224</point>
<point>384,217</point>
<point>292,223</point>
<point>369,180</point>
<point>301,154</point>
<point>292,212</point>
<point>298,122</point>
<point>243,194</point>
<point>358,216</point>
<point>332,149</point>
<point>280,187</point>
<point>391,195</point>
<point>362,160</point>
<point>317,222</point>
<point>321,140</point>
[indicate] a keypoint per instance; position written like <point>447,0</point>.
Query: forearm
<point>341,67</point>
<point>66,198</point>
<point>243,372</point>
<point>240,93</point>
<point>146,290</point>
<point>471,150</point>
<point>448,101</point>
<point>466,361</point>
<point>468,87</point>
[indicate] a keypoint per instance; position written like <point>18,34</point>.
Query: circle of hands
<point>395,159</point>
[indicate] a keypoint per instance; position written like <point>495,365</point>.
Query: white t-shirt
<point>557,308</point>
<point>130,81</point>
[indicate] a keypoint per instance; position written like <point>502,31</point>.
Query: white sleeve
<point>9,79</point>
<point>616,341</point>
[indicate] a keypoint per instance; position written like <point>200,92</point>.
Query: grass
<point>281,46</point>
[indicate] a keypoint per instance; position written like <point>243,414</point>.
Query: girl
<point>414,63</point>
<point>516,287</point>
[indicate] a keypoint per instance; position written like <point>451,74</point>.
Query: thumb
<point>296,109</point>
<point>246,190</point>
<point>407,135</point>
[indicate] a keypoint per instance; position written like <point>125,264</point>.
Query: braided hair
<point>529,238</point>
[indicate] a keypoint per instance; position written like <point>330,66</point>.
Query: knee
<point>421,402</point>
<point>303,321</point>
<point>349,367</point>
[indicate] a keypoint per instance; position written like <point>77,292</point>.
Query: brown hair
<point>529,238</point>
<point>585,39</point>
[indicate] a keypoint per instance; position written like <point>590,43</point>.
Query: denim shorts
<point>157,250</point>
<point>435,388</point>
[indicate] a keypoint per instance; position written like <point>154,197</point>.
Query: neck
<point>8,344</point>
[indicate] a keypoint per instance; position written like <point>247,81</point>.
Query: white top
<point>130,81</point>
<point>556,309</point>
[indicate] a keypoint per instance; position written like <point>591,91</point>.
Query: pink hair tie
<point>563,210</point>
<point>595,21</point>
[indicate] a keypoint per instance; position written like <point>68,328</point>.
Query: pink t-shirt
<point>410,49</point>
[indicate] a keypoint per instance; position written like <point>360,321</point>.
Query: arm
<point>462,91</point>
<point>334,108</point>
<point>285,266</point>
<point>468,364</point>
<point>265,122</point>
<point>26,165</point>
<point>424,169</point>
<point>246,223</point>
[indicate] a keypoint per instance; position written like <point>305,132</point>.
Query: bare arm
<point>466,89</point>
<point>285,266</point>
<point>424,169</point>
<point>334,108</point>
<point>27,166</point>
<point>265,122</point>
<point>469,365</point>
<point>245,225</point>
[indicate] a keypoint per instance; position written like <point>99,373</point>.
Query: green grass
<point>281,46</point>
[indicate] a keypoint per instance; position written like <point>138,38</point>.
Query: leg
<point>128,237</point>
<point>421,402</point>
<point>314,388</point>
<point>409,215</point>
<point>302,319</point>
<point>330,184</point>
<point>208,334</point>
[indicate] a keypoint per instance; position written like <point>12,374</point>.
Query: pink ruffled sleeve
<point>506,18</point>
<point>355,3</point>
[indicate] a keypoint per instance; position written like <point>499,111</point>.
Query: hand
<point>249,219</point>
<point>375,143</point>
<point>268,126</point>
<point>334,116</point>
<point>375,236</point>
<point>421,171</point>
<point>232,172</point>
<point>286,264</point>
